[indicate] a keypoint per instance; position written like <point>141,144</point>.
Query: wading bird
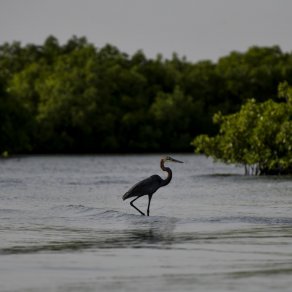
<point>150,185</point>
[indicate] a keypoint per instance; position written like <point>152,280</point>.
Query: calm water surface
<point>64,227</point>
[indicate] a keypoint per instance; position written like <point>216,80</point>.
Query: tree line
<point>77,98</point>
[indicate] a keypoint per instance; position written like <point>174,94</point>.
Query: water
<point>64,227</point>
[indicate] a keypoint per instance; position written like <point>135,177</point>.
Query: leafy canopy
<point>259,136</point>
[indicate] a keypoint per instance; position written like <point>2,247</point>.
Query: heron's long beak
<point>175,160</point>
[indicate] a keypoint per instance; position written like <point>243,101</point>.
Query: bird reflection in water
<point>158,233</point>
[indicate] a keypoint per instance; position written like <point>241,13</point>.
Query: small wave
<point>120,217</point>
<point>8,211</point>
<point>79,208</point>
<point>91,212</point>
<point>71,210</point>
<point>49,247</point>
<point>107,214</point>
<point>106,182</point>
<point>266,220</point>
<point>97,182</point>
<point>252,220</point>
<point>221,175</point>
<point>8,182</point>
<point>110,214</point>
<point>239,219</point>
<point>129,218</point>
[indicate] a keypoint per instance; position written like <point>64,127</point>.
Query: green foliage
<point>76,98</point>
<point>15,126</point>
<point>174,115</point>
<point>259,136</point>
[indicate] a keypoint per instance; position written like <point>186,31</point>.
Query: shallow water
<point>64,227</point>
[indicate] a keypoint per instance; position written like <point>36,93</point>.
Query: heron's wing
<point>145,187</point>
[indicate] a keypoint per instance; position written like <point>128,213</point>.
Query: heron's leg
<point>131,203</point>
<point>149,200</point>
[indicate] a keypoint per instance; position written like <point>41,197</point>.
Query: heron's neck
<point>168,170</point>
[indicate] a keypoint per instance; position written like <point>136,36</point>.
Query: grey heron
<point>150,185</point>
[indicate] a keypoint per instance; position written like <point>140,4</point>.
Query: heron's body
<point>150,185</point>
<point>145,187</point>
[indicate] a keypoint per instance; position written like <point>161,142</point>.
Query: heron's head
<point>168,158</point>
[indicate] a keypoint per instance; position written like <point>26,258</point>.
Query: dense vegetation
<point>76,98</point>
<point>259,136</point>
